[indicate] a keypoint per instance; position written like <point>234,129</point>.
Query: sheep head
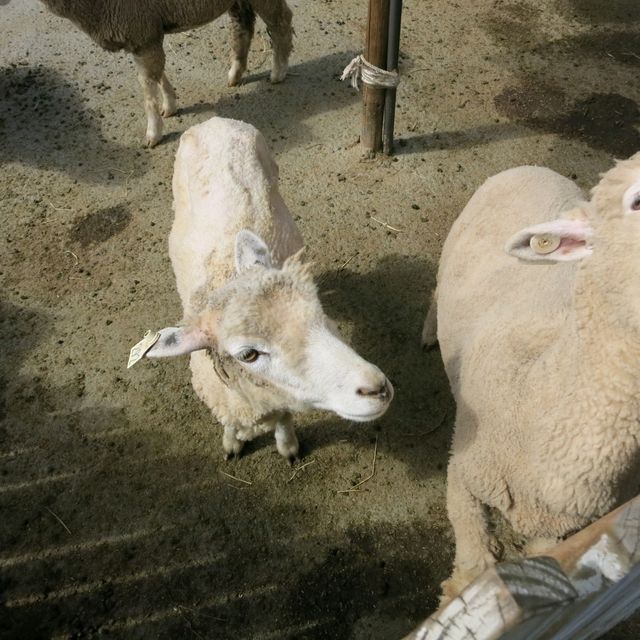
<point>611,219</point>
<point>270,322</point>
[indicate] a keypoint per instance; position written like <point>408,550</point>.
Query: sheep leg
<point>277,16</point>
<point>169,102</point>
<point>231,445</point>
<point>150,64</point>
<point>286,440</point>
<point>430,328</point>
<point>473,542</point>
<point>243,19</point>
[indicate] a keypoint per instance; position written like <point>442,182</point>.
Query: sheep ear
<point>178,341</point>
<point>251,250</point>
<point>560,240</point>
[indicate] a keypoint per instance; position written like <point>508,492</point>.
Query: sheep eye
<point>249,355</point>
<point>635,203</point>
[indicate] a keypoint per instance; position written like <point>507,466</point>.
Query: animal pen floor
<point>119,516</point>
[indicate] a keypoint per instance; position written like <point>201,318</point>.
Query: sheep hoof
<point>429,338</point>
<point>428,345</point>
<point>234,77</point>
<point>152,140</point>
<point>168,110</point>
<point>452,587</point>
<point>154,129</point>
<point>293,459</point>
<point>235,456</point>
<point>278,75</point>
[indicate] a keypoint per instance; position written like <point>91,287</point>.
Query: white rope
<point>371,75</point>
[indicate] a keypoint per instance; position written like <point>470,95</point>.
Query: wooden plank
<point>617,535</point>
<point>376,54</point>
<point>588,617</point>
<point>500,599</point>
<point>580,589</point>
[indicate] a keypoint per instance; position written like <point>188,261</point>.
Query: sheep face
<point>269,323</point>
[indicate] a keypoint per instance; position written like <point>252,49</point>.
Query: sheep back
<point>480,287</point>
<point>133,25</point>
<point>225,180</point>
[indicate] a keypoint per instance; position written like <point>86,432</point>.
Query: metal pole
<point>393,49</point>
<point>376,54</point>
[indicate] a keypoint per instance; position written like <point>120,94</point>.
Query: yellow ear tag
<point>544,243</point>
<point>137,351</point>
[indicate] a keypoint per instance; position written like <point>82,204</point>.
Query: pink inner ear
<point>567,245</point>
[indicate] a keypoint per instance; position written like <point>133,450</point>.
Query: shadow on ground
<point>554,93</point>
<point>109,543</point>
<point>544,99</point>
<point>387,307</point>
<point>107,530</point>
<point>43,115</point>
<point>311,88</point>
<point>598,12</point>
<point>605,122</point>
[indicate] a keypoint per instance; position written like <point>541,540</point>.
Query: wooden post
<point>376,54</point>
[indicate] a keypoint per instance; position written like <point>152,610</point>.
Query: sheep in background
<point>261,346</point>
<point>139,27</point>
<point>543,356</point>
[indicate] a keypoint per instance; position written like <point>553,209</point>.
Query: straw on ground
<point>373,471</point>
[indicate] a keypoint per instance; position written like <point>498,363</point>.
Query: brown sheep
<point>139,28</point>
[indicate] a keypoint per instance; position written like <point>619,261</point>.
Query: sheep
<point>261,346</point>
<point>139,27</point>
<point>541,345</point>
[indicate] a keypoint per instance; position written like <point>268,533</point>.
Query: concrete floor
<point>117,517</point>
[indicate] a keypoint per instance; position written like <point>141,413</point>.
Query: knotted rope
<point>359,68</point>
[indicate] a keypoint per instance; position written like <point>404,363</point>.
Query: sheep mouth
<point>364,417</point>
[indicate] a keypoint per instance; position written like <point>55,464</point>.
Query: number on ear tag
<point>137,351</point>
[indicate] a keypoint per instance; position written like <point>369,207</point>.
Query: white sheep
<point>541,344</point>
<point>261,346</point>
<point>139,26</point>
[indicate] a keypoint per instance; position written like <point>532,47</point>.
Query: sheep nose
<point>380,391</point>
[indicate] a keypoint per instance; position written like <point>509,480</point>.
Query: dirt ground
<point>117,516</point>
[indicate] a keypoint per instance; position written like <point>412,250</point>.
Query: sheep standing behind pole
<point>139,27</point>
